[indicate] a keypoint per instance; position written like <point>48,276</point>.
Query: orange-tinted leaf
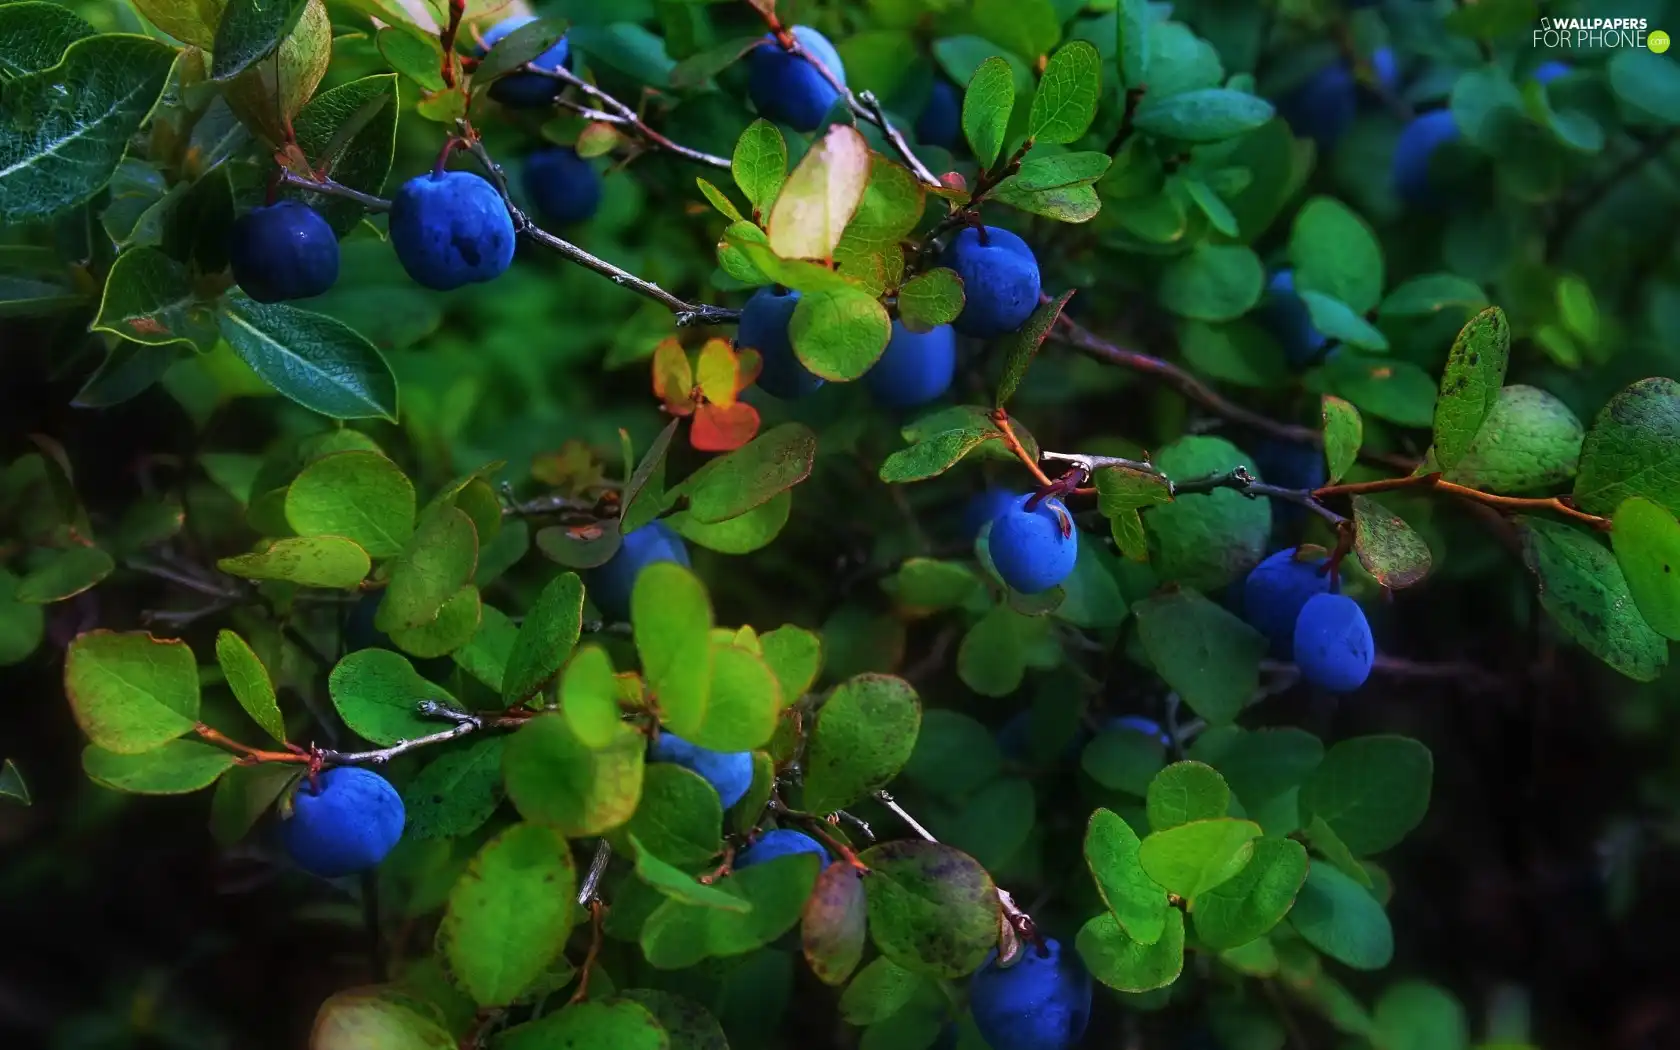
<point>717,373</point>
<point>673,378</point>
<point>572,468</point>
<point>719,429</point>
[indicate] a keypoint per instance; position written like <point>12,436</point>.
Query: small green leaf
<point>839,334</point>
<point>871,251</point>
<point>1060,170</point>
<point>991,660</point>
<point>1136,901</point>
<point>719,200</point>
<point>1531,440</point>
<point>1337,320</point>
<point>677,884</point>
<point>671,616</point>
<point>833,927</point>
<point>1334,251</point>
<point>1066,101</point>
<point>1344,432</point>
<point>244,794</point>
<point>1387,547</point>
<point>1078,203</point>
<point>131,693</point>
<point>524,44</point>
<point>1209,656</point>
<point>65,574</point>
<point>1123,760</point>
<point>546,638</point>
<point>1432,293</point>
<point>795,655</point>
<point>987,103</point>
<point>349,134</point>
<point>1633,449</point>
<point>1125,964</point>
<point>1192,858</point>
<point>731,485</point>
<point>319,362</point>
<point>1213,282</point>
<point>1341,919</point>
<point>1646,539</point>
<point>1470,384</point>
<point>820,196</point>
<point>359,495</point>
<point>644,493</point>
<point>1395,390</point>
<point>509,913</point>
<point>932,909</point>
<point>742,703</point>
<point>1022,345</point>
<point>589,696</point>
<point>1132,40</point>
<point>679,819</point>
<point>1417,1015</point>
<point>1583,588</point>
<point>935,455</point>
<point>553,778</point>
<point>881,990</point>
<point>1647,83</point>
<point>617,1023</point>
<point>435,563</point>
<point>678,934</point>
<point>1371,790</point>
<point>456,792</point>
<point>1186,791</point>
<point>251,686</point>
<point>1029,28</point>
<point>1205,115</point>
<point>417,56</point>
<point>759,164</point>
<point>863,736</point>
<point>308,561</point>
<point>249,31</point>
<point>177,768</point>
<point>1324,840</point>
<point>378,692</point>
<point>1256,900</point>
<point>149,299</point>
<point>930,299</point>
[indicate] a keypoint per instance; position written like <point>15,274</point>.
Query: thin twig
<point>595,910</point>
<point>1512,504</point>
<point>878,116</point>
<point>1000,418</point>
<point>329,188</point>
<point>321,757</point>
<point>615,112</point>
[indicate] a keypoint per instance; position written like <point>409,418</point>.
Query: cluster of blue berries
<point>1288,598</point>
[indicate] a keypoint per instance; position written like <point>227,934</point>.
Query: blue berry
<point>1547,72</point>
<point>780,842</point>
<point>1285,315</point>
<point>1042,1002</point>
<point>764,327</point>
<point>610,585</point>
<point>1139,724</point>
<point>730,772</point>
<point>788,88</point>
<point>915,368</point>
<point>283,251</point>
<point>1333,646</point>
<point>941,121</point>
<point>527,90</point>
<point>1000,280</point>
<point>451,229</point>
<point>1322,108</point>
<point>1275,592</point>
<point>564,187</point>
<point>1415,151</point>
<point>347,826</point>
<point>1029,549</point>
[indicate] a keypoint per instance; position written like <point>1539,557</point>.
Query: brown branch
<point>321,757</point>
<point>1511,504</point>
<point>617,113</point>
<point>1001,418</point>
<point>595,910</point>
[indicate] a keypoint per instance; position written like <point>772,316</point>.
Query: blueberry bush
<point>673,525</point>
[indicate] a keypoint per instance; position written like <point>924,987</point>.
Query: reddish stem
<point>457,8</point>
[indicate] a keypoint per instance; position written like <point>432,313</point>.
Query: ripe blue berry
<point>1029,549</point>
<point>1275,592</point>
<point>347,826</point>
<point>941,121</point>
<point>610,585</point>
<point>451,229</point>
<point>1323,107</point>
<point>915,368</point>
<point>780,842</point>
<point>789,89</point>
<point>1000,280</point>
<point>1546,72</point>
<point>1042,1002</point>
<point>527,90</point>
<point>283,251</point>
<point>564,187</point>
<point>764,327</point>
<point>1415,151</point>
<point>730,772</point>
<point>1333,646</point>
<point>1139,724</point>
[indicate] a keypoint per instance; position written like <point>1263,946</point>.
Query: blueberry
<point>563,186</point>
<point>610,585</point>
<point>1138,724</point>
<point>1547,72</point>
<point>283,251</point>
<point>347,826</point>
<point>527,90</point>
<point>764,327</point>
<point>915,368</point>
<point>1293,466</point>
<point>1275,592</point>
<point>983,507</point>
<point>1042,1002</point>
<point>730,772</point>
<point>451,229</point>
<point>1323,107</point>
<point>788,88</point>
<point>1415,151</point>
<point>1285,315</point>
<point>780,842</point>
<point>1387,68</point>
<point>1333,646</point>
<point>941,121</point>
<point>1029,549</point>
<point>1000,280</point>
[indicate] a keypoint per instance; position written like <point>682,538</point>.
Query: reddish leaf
<point>720,429</point>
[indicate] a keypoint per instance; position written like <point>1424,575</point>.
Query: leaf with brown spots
<point>834,924</point>
<point>932,909</point>
<point>1387,547</point>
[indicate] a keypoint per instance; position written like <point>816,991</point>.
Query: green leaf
<point>1186,791</point>
<point>932,909</point>
<point>378,693</point>
<point>1092,595</point>
<point>509,914</point>
<point>1334,252</point>
<point>1027,27</point>
<point>1020,346</point>
<point>1213,282</point>
<point>1341,919</point>
<point>680,819</point>
<point>679,885</point>
<point>1125,964</point>
<point>1646,540</point>
<point>820,196</point>
<point>249,31</point>
<point>363,1019</point>
<point>319,362</point>
<point>308,561</point>
<point>871,250</point>
<point>1530,440</point>
<point>987,103</point>
<point>1060,170</point>
<point>1470,384</point>
<point>244,794</point>
<point>1132,25</point>
<point>545,640</point>
<point>1123,760</point>
<point>1205,115</point>
<point>759,164</point>
<point>731,485</point>
<point>1064,203</point>
<point>1344,432</point>
<point>1647,83</point>
<point>1371,790</point>
<point>251,686</point>
<point>349,134</point>
<point>131,693</point>
<point>643,494</point>
<point>553,778</point>
<point>671,616</point>
<point>65,574</point>
<point>524,44</point>
<point>930,299</point>
<point>1266,763</point>
<point>456,792</point>
<point>833,928</point>
<point>1583,588</point>
<point>688,1025</point>
<point>1387,547</point>
<point>1398,391</point>
<point>923,586</point>
<point>589,694</point>
<point>82,113</point>
<point>417,56</point>
<point>1209,656</point>
<point>882,989</point>
<point>991,660</point>
<point>149,299</point>
<point>1417,1015</point>
<point>1337,320</point>
<point>1193,858</point>
<point>678,935</point>
<point>1432,293</point>
<point>1633,449</point>
<point>34,36</point>
<point>839,334</point>
<point>1322,837</point>
<point>179,767</point>
<point>616,1023</point>
<point>359,495</point>
<point>763,266</point>
<point>719,200</point>
<point>1121,488</point>
<point>742,703</point>
<point>863,736</point>
<point>1111,852</point>
<point>1066,101</point>
<point>435,563</point>
<point>1257,899</point>
<point>935,455</point>
<point>795,655</point>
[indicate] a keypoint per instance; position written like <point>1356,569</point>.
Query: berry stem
<point>596,908</point>
<point>446,38</point>
<point>1001,419</point>
<point>317,758</point>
